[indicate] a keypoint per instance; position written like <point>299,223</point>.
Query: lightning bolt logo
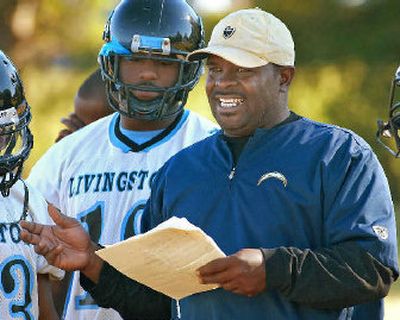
<point>275,175</point>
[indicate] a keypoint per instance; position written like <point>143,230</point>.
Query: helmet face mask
<point>163,31</point>
<point>391,128</point>
<point>16,140</point>
<point>170,100</point>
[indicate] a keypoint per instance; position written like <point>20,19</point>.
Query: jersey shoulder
<point>88,133</point>
<point>80,142</point>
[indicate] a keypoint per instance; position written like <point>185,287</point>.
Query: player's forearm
<point>47,310</point>
<point>329,278</point>
<point>93,268</point>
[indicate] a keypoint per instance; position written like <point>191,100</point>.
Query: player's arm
<point>72,123</point>
<point>47,310</point>
<point>59,290</point>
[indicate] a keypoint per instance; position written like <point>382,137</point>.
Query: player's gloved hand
<point>242,273</point>
<point>73,123</point>
<point>65,245</point>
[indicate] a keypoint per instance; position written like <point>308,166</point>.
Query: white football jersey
<point>100,177</point>
<point>19,263</point>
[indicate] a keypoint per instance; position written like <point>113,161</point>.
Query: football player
<point>101,174</point>
<point>25,291</point>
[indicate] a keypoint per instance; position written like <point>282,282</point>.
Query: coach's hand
<point>65,245</point>
<point>242,273</point>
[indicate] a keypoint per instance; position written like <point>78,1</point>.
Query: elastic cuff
<point>275,268</point>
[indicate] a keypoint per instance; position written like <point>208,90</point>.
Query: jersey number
<point>17,284</point>
<point>92,220</point>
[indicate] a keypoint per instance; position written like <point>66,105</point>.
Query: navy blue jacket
<point>310,194</point>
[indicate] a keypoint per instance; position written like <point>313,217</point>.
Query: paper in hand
<point>165,258</point>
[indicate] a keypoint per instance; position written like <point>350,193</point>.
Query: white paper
<point>165,258</point>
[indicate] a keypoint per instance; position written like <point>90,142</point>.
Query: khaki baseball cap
<point>250,38</point>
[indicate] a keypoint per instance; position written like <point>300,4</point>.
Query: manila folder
<point>165,258</point>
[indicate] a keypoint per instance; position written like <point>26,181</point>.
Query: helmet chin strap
<point>161,108</point>
<point>9,178</point>
<point>147,109</point>
<point>26,202</point>
<point>25,205</point>
<point>6,178</point>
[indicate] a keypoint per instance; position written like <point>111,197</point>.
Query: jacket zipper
<point>232,173</point>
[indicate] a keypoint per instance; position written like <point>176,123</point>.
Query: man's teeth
<point>229,103</point>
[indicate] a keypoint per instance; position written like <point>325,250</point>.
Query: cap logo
<point>228,32</point>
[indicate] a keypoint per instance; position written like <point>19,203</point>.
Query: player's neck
<point>144,125</point>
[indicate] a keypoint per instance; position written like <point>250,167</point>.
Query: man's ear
<point>286,77</point>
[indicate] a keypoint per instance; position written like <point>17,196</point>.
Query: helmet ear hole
<point>163,31</point>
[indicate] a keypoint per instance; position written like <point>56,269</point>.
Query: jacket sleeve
<point>357,261</point>
<point>130,298</point>
<point>331,278</point>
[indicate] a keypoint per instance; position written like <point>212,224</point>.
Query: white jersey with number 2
<point>19,264</point>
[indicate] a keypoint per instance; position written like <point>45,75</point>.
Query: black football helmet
<point>166,30</point>
<point>16,140</point>
<point>391,128</point>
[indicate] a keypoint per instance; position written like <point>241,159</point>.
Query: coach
<point>302,209</point>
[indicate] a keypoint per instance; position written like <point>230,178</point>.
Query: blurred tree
<point>7,38</point>
<point>55,45</point>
